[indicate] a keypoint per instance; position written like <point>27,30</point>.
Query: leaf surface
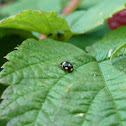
<point>9,38</point>
<point>103,49</point>
<point>123,46</point>
<point>86,40</point>
<point>21,5</point>
<point>85,4</point>
<point>84,21</point>
<point>48,24</point>
<point>40,93</point>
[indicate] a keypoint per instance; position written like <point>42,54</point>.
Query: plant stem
<point>42,37</point>
<point>71,7</point>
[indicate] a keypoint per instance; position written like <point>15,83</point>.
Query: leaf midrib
<point>56,83</point>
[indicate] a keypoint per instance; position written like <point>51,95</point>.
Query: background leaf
<point>86,40</point>
<point>21,5</point>
<point>123,46</point>
<point>104,48</point>
<point>85,4</point>
<point>48,24</point>
<point>3,123</point>
<point>84,21</point>
<point>40,93</point>
<point>9,39</point>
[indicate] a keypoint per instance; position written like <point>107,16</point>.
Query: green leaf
<point>9,38</point>
<point>1,17</point>
<point>86,4</point>
<point>40,93</point>
<point>85,40</point>
<point>21,5</point>
<point>84,21</point>
<point>103,49</point>
<point>48,24</point>
<point>123,46</point>
<point>3,123</point>
<point>11,31</point>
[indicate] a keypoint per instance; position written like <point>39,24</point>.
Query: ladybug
<point>66,66</point>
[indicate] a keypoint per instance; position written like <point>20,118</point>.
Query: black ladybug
<point>66,66</point>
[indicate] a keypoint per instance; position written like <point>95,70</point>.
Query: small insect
<point>66,66</point>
